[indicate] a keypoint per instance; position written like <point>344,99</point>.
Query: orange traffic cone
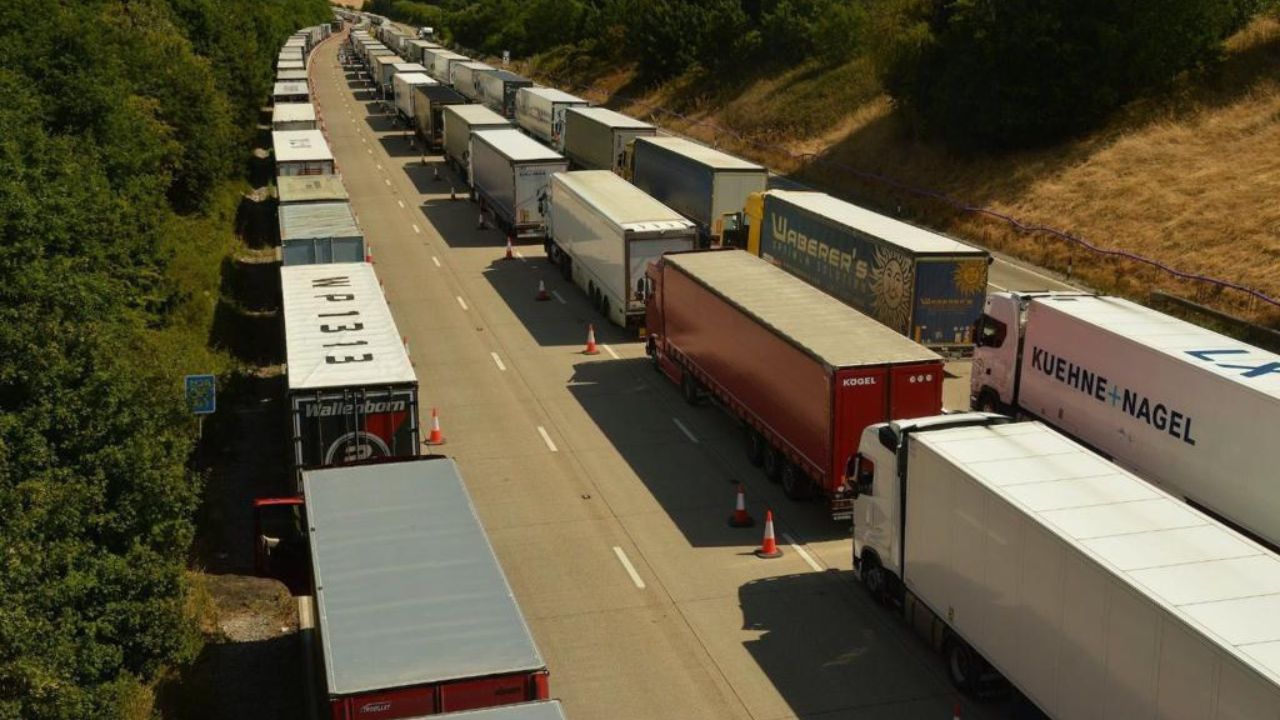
<point>511,251</point>
<point>955,711</point>
<point>769,548</point>
<point>436,437</point>
<point>740,518</point>
<point>591,342</point>
<point>368,254</point>
<point>542,295</point>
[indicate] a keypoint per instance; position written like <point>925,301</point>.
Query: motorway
<point>605,496</point>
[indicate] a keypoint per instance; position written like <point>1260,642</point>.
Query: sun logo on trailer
<point>891,283</point>
<point>970,277</point>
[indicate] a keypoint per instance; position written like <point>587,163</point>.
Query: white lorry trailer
<point>540,112</point>
<point>604,233</point>
<point>463,76</point>
<point>596,138</point>
<point>1096,594</point>
<point>441,63</point>
<point>404,86</point>
<point>510,172</point>
<point>1184,407</point>
<point>459,122</point>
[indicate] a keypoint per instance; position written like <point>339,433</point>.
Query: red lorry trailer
<point>804,372</point>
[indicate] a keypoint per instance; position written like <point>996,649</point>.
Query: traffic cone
<point>740,518</point>
<point>511,251</point>
<point>955,711</point>
<point>368,254</point>
<point>769,548</point>
<point>435,172</point>
<point>453,193</point>
<point>542,295</point>
<point>436,437</point>
<point>591,342</point>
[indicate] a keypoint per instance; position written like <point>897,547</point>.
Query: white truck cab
<point>997,336</point>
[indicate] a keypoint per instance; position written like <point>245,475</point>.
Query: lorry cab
<point>280,541</point>
<point>997,340</point>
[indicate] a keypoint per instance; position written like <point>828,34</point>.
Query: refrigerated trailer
<point>352,393</point>
<point>404,86</point>
<point>705,185</point>
<point>498,90</point>
<point>604,233</point>
<point>1097,595</point>
<point>428,112</point>
<point>922,284</point>
<point>1184,407</point>
<point>459,122</point>
<point>540,112</point>
<point>803,372</point>
<point>510,172</point>
<point>596,138</point>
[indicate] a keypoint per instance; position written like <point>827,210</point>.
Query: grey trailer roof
<point>295,74</point>
<point>622,202</point>
<point>544,710</point>
<point>506,75</point>
<point>317,220</point>
<point>477,115</point>
<point>605,116</point>
<point>408,589</point>
<point>701,153</point>
<point>814,321</point>
<point>441,94</point>
<point>516,146</point>
<point>300,146</point>
<point>282,65</point>
<point>405,67</point>
<point>309,188</point>
<point>554,95</point>
<point>312,343</point>
<point>905,235</point>
<point>293,112</point>
<point>292,87</point>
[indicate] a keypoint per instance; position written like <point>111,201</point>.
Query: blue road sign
<point>202,394</point>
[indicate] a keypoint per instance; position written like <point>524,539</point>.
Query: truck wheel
<point>988,401</point>
<point>794,483</point>
<point>772,463</point>
<point>964,667</point>
<point>689,388</point>
<point>874,579</point>
<point>755,446</point>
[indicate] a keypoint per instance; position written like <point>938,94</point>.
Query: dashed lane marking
<point>435,260</point>
<point>626,565</point>
<point>400,203</point>
<point>416,231</point>
<point>547,439</point>
<point>462,302</point>
<point>692,438</point>
<point>498,361</point>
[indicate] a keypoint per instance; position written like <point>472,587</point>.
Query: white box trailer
<point>510,172</point>
<point>459,122</point>
<point>290,65</point>
<point>291,92</point>
<point>498,90</point>
<point>428,111</point>
<point>404,85</point>
<point>301,152</point>
<point>417,47</point>
<point>319,232</point>
<point>463,76</point>
<point>1097,595</point>
<point>292,189</point>
<point>384,66</point>
<point>291,75</point>
<point>604,233</point>
<point>1184,407</point>
<point>293,116</point>
<point>441,62</point>
<point>596,138</point>
<point>540,112</point>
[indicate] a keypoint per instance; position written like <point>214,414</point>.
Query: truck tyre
<point>795,485</point>
<point>755,446</point>
<point>964,667</point>
<point>988,401</point>
<point>874,578</point>
<point>772,463</point>
<point>689,388</point>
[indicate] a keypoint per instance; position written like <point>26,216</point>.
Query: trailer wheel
<point>795,485</point>
<point>689,388</point>
<point>772,463</point>
<point>964,667</point>
<point>755,446</point>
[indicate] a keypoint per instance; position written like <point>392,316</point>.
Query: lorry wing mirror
<point>889,439</point>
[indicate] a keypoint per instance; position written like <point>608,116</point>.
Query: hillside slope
<point>1189,179</point>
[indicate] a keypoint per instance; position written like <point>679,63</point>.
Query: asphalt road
<point>604,495</point>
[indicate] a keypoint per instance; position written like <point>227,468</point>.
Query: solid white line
<point>498,361</point>
<point>685,430</point>
<point>610,351</point>
<point>435,260</point>
<point>626,565</point>
<point>547,439</point>
<point>556,295</point>
<point>416,231</point>
<point>400,203</point>
<point>802,552</point>
<point>997,287</point>
<point>462,302</point>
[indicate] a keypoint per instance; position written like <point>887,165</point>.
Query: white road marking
<point>626,565</point>
<point>498,361</point>
<point>369,150</point>
<point>610,351</point>
<point>685,430</point>
<point>556,295</point>
<point>802,552</point>
<point>435,259</point>
<point>387,181</point>
<point>364,141</point>
<point>379,165</point>
<point>400,203</point>
<point>462,302</point>
<point>547,439</point>
<point>997,287</point>
<point>416,231</point>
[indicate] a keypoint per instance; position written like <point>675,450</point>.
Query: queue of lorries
<point>1100,532</point>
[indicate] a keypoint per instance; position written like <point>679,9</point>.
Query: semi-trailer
<point>428,112</point>
<point>705,185</point>
<point>418,47</point>
<point>540,112</point>
<point>290,92</point>
<point>352,393</point>
<point>498,90</point>
<point>803,372</point>
<point>603,234</point>
<point>596,138</point>
<point>404,86</point>
<point>301,152</point>
<point>459,122</point>
<point>293,189</point>
<point>384,66</point>
<point>319,232</point>
<point>1019,553</point>
<point>294,75</point>
<point>293,116</point>
<point>441,62</point>
<point>922,284</point>
<point>1184,407</point>
<point>413,614</point>
<point>509,174</point>
<point>464,77</point>
<point>406,68</point>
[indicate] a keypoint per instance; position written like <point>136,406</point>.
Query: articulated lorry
<point>596,138</point>
<point>705,185</point>
<point>540,112</point>
<point>414,615</point>
<point>1184,407</point>
<point>463,78</point>
<point>428,112</point>
<point>405,86</point>
<point>1019,553</point>
<point>923,285</point>
<point>603,234</point>
<point>510,172</point>
<point>459,122</point>
<point>352,392</point>
<point>803,372</point>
